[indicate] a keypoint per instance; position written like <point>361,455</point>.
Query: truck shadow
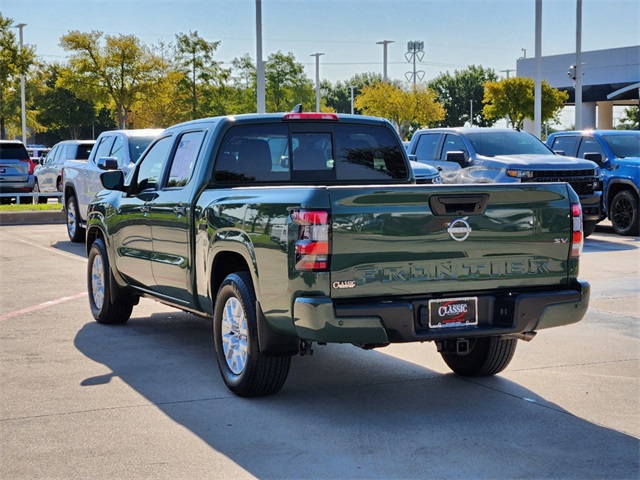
<point>70,247</point>
<point>349,413</point>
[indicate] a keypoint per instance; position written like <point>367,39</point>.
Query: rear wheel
<point>486,356</point>
<point>36,189</point>
<point>624,213</point>
<point>244,369</point>
<point>74,230</point>
<point>103,308</point>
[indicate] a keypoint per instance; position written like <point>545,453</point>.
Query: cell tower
<point>415,51</point>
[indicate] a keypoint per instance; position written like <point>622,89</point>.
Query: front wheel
<point>624,213</point>
<point>74,230</point>
<point>244,369</point>
<point>486,356</point>
<point>103,308</point>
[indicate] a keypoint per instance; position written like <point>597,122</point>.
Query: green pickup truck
<point>290,229</point>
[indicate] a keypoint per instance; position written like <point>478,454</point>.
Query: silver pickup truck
<point>116,149</point>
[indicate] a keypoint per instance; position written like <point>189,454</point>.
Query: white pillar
<point>384,44</point>
<point>605,116</point>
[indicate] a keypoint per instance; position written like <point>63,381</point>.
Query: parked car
<point>497,155</point>
<point>48,175</point>
<point>16,169</point>
<point>617,153</point>
<point>37,152</point>
<point>113,150</point>
<point>425,173</point>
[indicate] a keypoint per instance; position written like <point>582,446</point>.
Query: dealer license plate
<point>453,312</point>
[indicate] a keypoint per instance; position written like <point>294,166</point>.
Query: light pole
<point>578,80</point>
<point>352,87</point>
<point>260,88</point>
<point>23,102</point>
<point>537,90</point>
<point>384,44</point>
<point>317,55</point>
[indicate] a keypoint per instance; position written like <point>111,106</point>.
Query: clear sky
<point>456,33</point>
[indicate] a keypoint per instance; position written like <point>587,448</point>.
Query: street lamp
<point>384,44</point>
<point>260,80</point>
<point>23,107</point>
<point>317,55</point>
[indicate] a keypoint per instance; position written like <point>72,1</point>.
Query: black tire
<point>74,230</point>
<point>36,189</point>
<point>244,369</point>
<point>487,356</point>
<point>624,213</point>
<point>588,227</point>
<point>103,309</point>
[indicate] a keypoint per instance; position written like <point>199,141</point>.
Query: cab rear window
<point>317,153</point>
<point>13,151</point>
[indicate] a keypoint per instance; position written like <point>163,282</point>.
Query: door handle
<point>180,210</point>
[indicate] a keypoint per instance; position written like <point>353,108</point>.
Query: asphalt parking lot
<point>145,400</point>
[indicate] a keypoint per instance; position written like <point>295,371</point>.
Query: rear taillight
<point>312,248</point>
<point>577,237</point>
<point>32,164</point>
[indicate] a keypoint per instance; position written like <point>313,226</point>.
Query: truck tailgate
<point>417,240</point>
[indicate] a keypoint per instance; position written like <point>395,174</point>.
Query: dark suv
<point>16,170</point>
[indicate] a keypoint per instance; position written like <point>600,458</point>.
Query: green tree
<point>202,75</point>
<point>514,98</point>
<point>286,83</point>
<point>338,97</point>
<point>59,108</point>
<point>454,91</point>
<point>630,119</point>
<point>118,71</point>
<point>242,85</point>
<point>404,109</point>
<point>13,63</point>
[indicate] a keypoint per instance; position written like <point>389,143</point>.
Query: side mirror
<point>108,163</point>
<point>412,157</point>
<point>113,180</point>
<point>560,152</point>
<point>457,156</point>
<point>594,157</point>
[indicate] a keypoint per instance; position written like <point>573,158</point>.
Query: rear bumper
<point>17,187</point>
<point>318,319</point>
<point>592,207</point>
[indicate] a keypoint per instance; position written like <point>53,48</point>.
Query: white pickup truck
<point>115,149</point>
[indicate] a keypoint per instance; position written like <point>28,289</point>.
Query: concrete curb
<point>32,218</point>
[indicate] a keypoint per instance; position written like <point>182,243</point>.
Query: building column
<point>588,115</point>
<point>605,115</point>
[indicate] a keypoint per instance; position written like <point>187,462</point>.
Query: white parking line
<point>41,306</point>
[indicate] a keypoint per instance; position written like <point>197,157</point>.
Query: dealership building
<point>609,78</point>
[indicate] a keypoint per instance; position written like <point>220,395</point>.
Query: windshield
<point>491,144</point>
<point>137,145</point>
<point>627,145</point>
